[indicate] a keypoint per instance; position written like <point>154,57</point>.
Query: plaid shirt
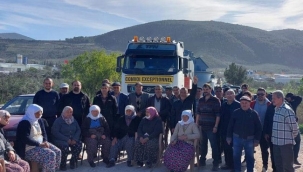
<point>208,110</point>
<point>285,128</point>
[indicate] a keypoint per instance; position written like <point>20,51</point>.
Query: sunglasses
<point>260,94</point>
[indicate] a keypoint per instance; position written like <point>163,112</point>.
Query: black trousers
<point>228,153</point>
<point>264,145</point>
<point>48,129</point>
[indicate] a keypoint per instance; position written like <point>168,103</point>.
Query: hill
<point>218,43</point>
<point>14,36</point>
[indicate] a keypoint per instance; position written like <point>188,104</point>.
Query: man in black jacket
<point>227,109</point>
<point>48,99</point>
<point>108,106</point>
<point>185,103</point>
<point>244,130</point>
<point>78,100</point>
<point>267,130</point>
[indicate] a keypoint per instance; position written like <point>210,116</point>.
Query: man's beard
<point>76,89</point>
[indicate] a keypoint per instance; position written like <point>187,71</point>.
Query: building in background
<point>20,65</point>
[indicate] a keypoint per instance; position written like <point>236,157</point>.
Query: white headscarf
<point>190,117</point>
<point>91,116</point>
<point>132,108</point>
<point>30,113</point>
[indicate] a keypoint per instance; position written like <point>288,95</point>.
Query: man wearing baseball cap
<point>64,88</point>
<point>244,131</point>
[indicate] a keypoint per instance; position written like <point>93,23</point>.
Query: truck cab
<point>154,61</point>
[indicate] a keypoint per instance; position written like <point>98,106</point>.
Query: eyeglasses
<point>218,91</point>
<point>260,94</point>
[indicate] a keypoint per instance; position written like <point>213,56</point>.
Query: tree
<point>300,88</point>
<point>235,74</point>
<point>90,68</point>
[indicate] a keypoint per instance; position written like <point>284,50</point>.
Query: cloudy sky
<point>60,19</point>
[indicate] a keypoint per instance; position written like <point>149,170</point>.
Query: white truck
<point>154,61</point>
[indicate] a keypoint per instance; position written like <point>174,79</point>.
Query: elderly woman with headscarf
<point>95,131</point>
<point>181,150</point>
<point>31,141</point>
<point>12,161</point>
<point>124,135</point>
<point>66,135</point>
<point>147,144</point>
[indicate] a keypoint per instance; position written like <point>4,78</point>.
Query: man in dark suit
<point>163,106</point>
<point>185,103</point>
<point>161,103</point>
<point>139,99</point>
<point>122,99</point>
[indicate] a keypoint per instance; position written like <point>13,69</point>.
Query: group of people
<point>57,124</point>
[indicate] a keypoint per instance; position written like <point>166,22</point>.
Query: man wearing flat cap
<point>122,99</point>
<point>244,131</point>
<point>139,99</point>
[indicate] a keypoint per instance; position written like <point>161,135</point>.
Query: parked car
<point>16,107</point>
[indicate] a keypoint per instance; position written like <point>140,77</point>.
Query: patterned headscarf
<point>190,117</point>
<point>91,116</point>
<point>67,120</point>
<point>153,113</point>
<point>30,113</point>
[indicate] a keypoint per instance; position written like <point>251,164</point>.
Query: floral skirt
<point>177,157</point>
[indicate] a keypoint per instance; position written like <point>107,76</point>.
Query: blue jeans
<point>212,137</point>
<point>248,145</point>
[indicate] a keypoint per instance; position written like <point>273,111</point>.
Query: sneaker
<point>202,164</point>
<point>63,168</point>
<point>129,163</point>
<point>297,162</point>
<point>92,164</point>
<point>215,168</point>
<point>110,164</point>
<point>140,164</point>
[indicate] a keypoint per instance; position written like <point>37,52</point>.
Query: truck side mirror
<point>118,67</point>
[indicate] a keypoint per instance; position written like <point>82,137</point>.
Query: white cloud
<point>114,14</point>
<point>22,16</point>
<point>268,17</point>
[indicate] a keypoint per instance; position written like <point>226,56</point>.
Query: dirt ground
<point>121,166</point>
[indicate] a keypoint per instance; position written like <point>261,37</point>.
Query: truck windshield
<point>150,64</point>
